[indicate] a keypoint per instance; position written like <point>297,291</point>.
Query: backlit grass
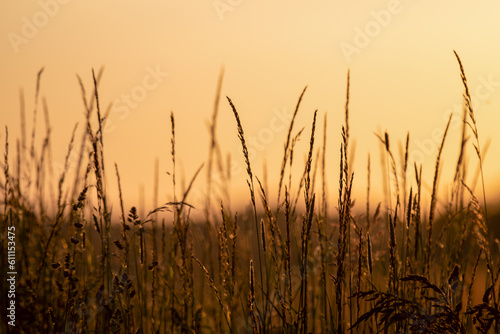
<point>301,263</point>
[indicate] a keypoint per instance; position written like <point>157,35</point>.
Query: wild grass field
<point>299,263</point>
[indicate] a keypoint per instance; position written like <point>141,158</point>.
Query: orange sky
<point>163,56</point>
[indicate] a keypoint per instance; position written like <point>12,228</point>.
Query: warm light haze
<point>156,175</point>
<point>165,56</point>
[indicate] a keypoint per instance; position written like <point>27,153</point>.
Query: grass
<point>291,268</point>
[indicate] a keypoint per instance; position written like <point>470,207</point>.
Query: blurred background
<point>165,56</point>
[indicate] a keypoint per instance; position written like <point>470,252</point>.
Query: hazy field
<point>310,263</point>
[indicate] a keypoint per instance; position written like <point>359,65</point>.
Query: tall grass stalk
<point>286,151</point>
<point>241,136</point>
<point>434,200</point>
<point>473,127</point>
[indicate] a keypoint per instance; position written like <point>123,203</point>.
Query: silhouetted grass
<point>289,266</point>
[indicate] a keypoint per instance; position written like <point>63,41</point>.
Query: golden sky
<point>165,56</point>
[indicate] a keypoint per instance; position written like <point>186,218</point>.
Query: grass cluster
<point>292,267</point>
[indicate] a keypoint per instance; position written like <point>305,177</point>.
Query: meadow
<point>299,263</point>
